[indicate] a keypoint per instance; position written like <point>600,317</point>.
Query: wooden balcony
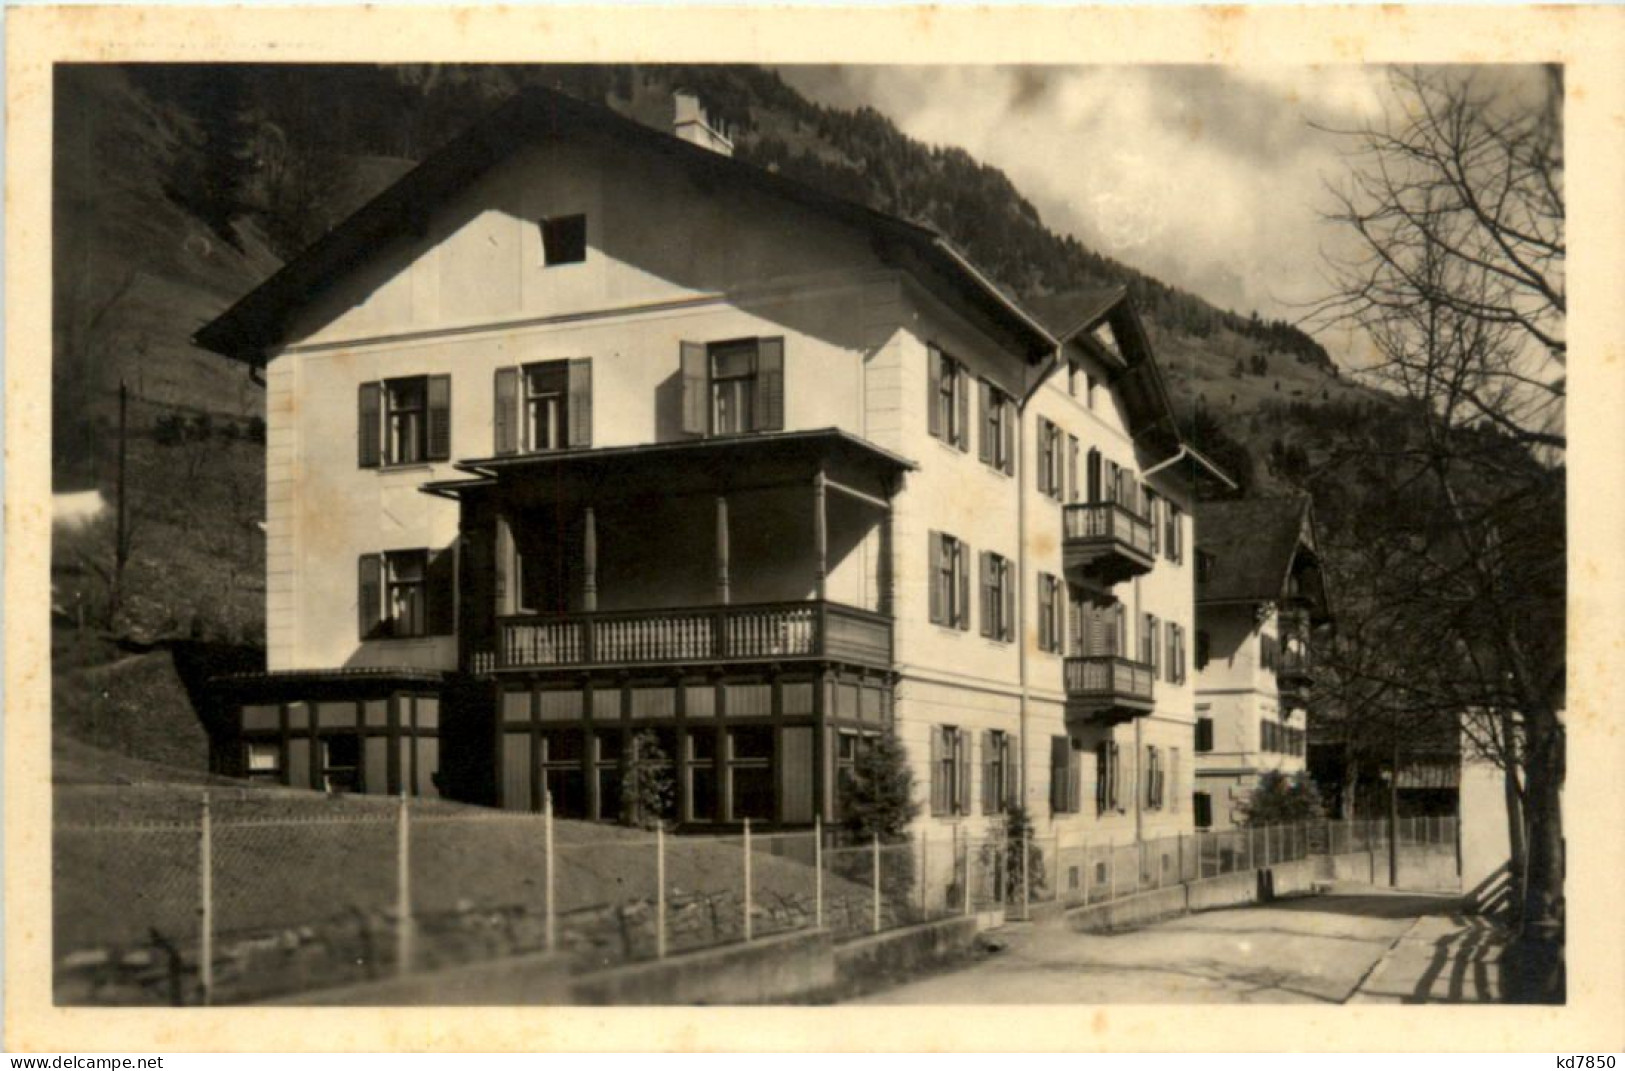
<point>1105,543</point>
<point>1107,690</point>
<point>816,631</point>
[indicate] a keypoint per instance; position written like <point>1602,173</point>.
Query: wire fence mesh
<point>238,906</point>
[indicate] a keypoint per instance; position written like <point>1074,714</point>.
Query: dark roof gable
<point>1252,543</point>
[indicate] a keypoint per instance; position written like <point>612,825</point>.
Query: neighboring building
<point>711,454</point>
<point>1259,597</point>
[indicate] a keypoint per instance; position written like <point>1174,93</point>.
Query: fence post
<point>1248,832</point>
<point>660,892</point>
<point>818,870</point>
<point>1026,886</point>
<point>1111,871</point>
<point>548,911</point>
<point>403,887</point>
<point>1088,870</point>
<point>1179,856</point>
<point>747,879</point>
<point>875,841</point>
<point>1139,863</point>
<point>205,962</point>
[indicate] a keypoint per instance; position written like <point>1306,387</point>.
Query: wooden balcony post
<point>589,561</point>
<point>722,550</point>
<point>820,533</point>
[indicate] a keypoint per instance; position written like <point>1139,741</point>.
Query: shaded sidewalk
<point>1447,958</point>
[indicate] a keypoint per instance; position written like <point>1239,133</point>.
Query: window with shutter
<point>962,417</point>
<point>1093,475</point>
<point>1151,515</point>
<point>1007,622</point>
<point>1045,594</point>
<point>1203,643</point>
<point>1202,810</point>
<point>1204,734</point>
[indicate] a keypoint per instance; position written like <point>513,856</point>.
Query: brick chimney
<point>693,125</point>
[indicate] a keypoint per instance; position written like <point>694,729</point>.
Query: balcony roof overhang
<point>717,463</point>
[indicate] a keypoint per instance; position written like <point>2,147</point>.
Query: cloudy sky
<point>1209,178</point>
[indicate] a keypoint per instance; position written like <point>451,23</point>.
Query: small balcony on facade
<point>1105,543</point>
<point>1294,672</point>
<point>761,549</point>
<point>1105,690</point>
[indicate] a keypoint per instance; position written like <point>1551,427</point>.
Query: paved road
<point>1354,943</point>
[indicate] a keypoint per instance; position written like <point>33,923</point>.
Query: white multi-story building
<point>583,429</point>
<point>1260,596</point>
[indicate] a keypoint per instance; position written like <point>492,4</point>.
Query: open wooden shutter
<point>1060,750</point>
<point>439,446</point>
<point>1074,780</point>
<point>962,804</point>
<point>504,581</point>
<point>990,759</point>
<point>933,382</point>
<point>578,419</point>
<point>441,590</point>
<point>1071,468</point>
<point>1116,764</point>
<point>1044,638</point>
<point>370,593</point>
<point>1044,448</point>
<point>962,566</point>
<point>505,411</point>
<point>1102,775</point>
<point>1012,790</point>
<point>934,577</point>
<point>984,446</point>
<point>1008,632</point>
<point>1093,475</point>
<point>1151,513</point>
<point>1009,426</point>
<point>369,425</point>
<point>770,385</point>
<point>696,388</point>
<point>984,574</point>
<point>962,432</point>
<point>939,788</point>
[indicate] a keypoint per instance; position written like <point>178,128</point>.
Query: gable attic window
<point>405,421</point>
<point>564,240</point>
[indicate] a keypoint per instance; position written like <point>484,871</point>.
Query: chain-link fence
<point>238,904</point>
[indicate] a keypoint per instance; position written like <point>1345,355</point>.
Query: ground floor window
<point>950,770</point>
<point>1108,770</point>
<point>382,745</point>
<point>562,777</point>
<point>607,766</point>
<point>1063,776</point>
<point>998,771</point>
<point>750,774</point>
<point>1202,807</point>
<point>702,776</point>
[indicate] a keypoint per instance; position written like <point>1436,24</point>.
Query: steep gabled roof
<point>1073,312</point>
<point>1252,543</point>
<point>257,322</point>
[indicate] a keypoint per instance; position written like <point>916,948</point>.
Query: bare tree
<point>1455,206</point>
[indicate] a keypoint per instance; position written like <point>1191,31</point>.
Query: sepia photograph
<point>804,534</point>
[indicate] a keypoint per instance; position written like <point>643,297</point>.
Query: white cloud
<point>1208,178</point>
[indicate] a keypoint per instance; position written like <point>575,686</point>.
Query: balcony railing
<point>1107,688</point>
<point>1107,540</point>
<point>758,632</point>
